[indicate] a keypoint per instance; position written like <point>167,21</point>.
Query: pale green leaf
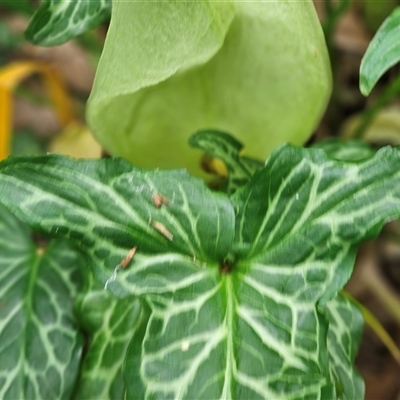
<point>40,345</point>
<point>226,148</point>
<point>57,21</point>
<point>344,336</point>
<point>257,69</point>
<point>110,323</point>
<point>383,52</point>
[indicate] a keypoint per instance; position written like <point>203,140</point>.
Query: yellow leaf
<point>76,141</point>
<point>13,75</point>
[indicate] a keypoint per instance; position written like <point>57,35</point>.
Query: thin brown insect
<point>124,263</point>
<point>158,226</point>
<point>159,200</point>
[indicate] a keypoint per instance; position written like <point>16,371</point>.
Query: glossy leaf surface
<point>40,345</point>
<point>57,21</point>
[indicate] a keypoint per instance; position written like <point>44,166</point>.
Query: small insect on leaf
<point>124,263</point>
<point>158,226</point>
<point>159,200</point>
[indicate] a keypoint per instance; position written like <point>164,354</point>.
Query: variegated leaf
<point>57,21</point>
<point>235,284</point>
<point>344,335</point>
<point>40,345</point>
<point>110,323</point>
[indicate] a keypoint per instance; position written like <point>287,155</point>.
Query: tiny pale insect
<point>159,200</point>
<point>159,227</point>
<point>124,263</point>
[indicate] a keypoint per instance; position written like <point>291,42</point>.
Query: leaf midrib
<point>230,369</point>
<point>28,306</point>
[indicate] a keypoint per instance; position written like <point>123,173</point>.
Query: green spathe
<point>257,69</point>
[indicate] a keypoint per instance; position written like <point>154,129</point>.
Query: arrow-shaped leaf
<point>40,345</point>
<point>235,285</point>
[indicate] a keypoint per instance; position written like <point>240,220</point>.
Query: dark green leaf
<point>40,346</point>
<point>383,52</point>
<point>57,21</point>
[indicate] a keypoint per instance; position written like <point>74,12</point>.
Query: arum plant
<point>238,293</point>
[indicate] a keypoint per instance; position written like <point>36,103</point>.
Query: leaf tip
<point>365,85</point>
